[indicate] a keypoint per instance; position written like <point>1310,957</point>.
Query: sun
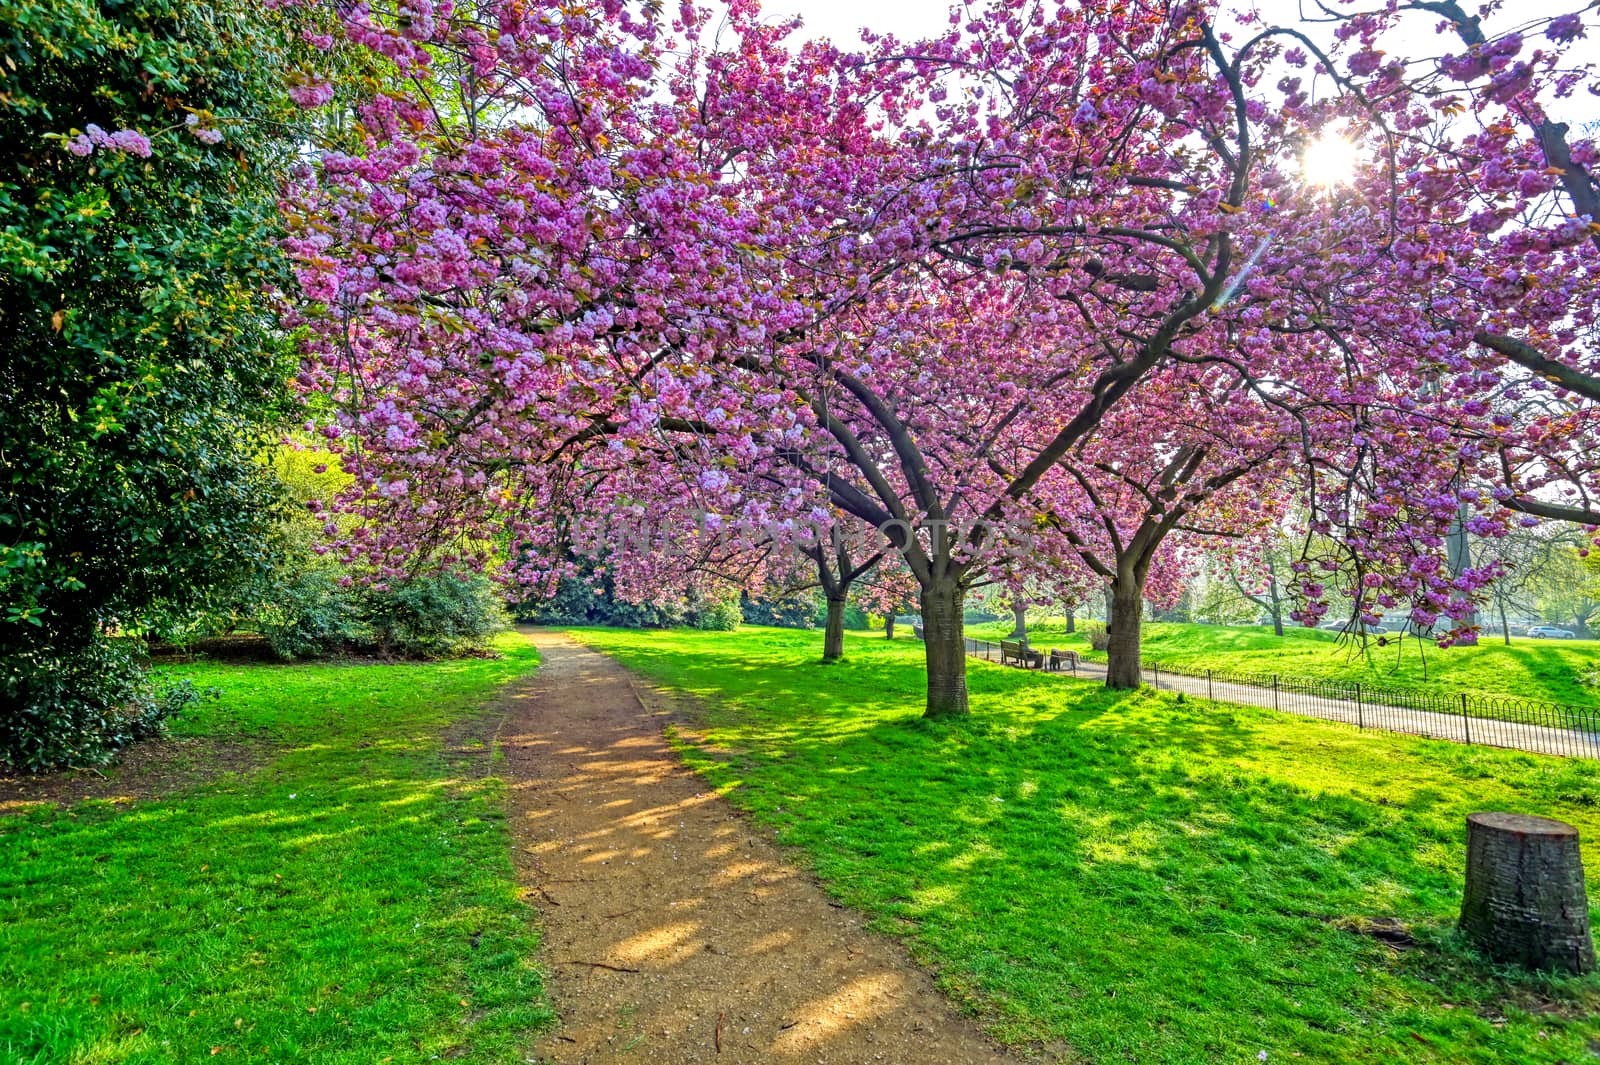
<point>1329,161</point>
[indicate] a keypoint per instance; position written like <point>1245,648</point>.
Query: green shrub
<point>313,615</point>
<point>433,617</point>
<point>591,599</point>
<point>1095,633</point>
<point>142,362</point>
<point>77,707</point>
<point>798,611</point>
<point>309,615</point>
<point>721,616</point>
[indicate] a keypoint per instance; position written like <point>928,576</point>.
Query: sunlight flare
<point>1330,161</point>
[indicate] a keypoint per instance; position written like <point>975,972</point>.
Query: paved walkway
<point>1490,732</point>
<point>675,932</point>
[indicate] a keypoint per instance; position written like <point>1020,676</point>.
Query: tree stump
<point>1525,901</point>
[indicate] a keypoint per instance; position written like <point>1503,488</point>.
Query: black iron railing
<point>1465,717</point>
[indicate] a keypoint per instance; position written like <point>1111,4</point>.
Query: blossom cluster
<point>122,140</point>
<point>1055,277</point>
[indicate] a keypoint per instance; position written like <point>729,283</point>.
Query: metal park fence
<point>1464,717</point>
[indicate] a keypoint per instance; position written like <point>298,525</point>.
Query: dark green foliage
<point>588,601</point>
<point>140,366</point>
<point>310,614</point>
<point>794,612</point>
<point>79,703</point>
<point>433,616</point>
<point>719,615</point>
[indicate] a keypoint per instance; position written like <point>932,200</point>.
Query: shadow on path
<point>673,932</point>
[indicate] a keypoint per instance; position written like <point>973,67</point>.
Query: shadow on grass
<point>350,900</point>
<point>1145,880</point>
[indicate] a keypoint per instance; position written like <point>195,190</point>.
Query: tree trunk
<point>1458,551</point>
<point>888,626</point>
<point>1072,619</point>
<point>1277,607</point>
<point>1122,649</point>
<point>1525,901</point>
<point>1019,622</point>
<point>1109,609</point>
<point>833,637</point>
<point>943,601</point>
<point>1505,629</point>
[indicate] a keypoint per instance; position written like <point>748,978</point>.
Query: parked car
<point>1550,632</point>
<point>1352,626</point>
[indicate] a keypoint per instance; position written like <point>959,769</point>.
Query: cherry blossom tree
<point>934,285</point>
<point>889,590</point>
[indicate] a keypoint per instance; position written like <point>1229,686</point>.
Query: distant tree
<point>1534,562</point>
<point>889,590</point>
<point>1264,580</point>
<point>1563,585</point>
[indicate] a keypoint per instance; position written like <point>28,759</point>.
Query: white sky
<point>842,20</point>
<point>910,19</point>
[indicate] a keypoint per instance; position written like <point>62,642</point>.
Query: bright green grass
<point>351,900</point>
<point>1136,879</point>
<point>1529,669</point>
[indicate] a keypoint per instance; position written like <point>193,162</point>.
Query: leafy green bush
<point>719,616</point>
<point>433,617</point>
<point>81,704</point>
<point>309,615</point>
<point>797,611</point>
<point>591,599</point>
<point>1095,633</point>
<point>312,615</point>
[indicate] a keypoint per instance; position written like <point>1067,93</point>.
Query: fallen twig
<point>599,965</point>
<point>718,1037</point>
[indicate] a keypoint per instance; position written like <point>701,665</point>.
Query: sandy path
<point>670,925</point>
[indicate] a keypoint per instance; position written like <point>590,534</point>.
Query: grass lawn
<point>1127,878</point>
<point>350,899</point>
<point>1529,669</point>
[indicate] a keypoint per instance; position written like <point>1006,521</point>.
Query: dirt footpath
<point>674,933</point>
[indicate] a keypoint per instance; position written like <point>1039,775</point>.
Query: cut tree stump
<point>1525,901</point>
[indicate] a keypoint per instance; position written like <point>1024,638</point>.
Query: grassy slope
<point>1528,669</point>
<point>352,900</point>
<point>1141,880</point>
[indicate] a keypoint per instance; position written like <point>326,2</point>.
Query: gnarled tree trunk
<point>1019,621</point>
<point>1122,630</point>
<point>888,626</point>
<point>833,636</point>
<point>1072,619</point>
<point>1525,902</point>
<point>943,601</point>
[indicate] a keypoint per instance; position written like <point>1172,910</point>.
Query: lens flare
<point>1329,161</point>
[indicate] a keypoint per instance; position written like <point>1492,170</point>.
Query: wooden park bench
<point>1058,659</point>
<point>1021,653</point>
